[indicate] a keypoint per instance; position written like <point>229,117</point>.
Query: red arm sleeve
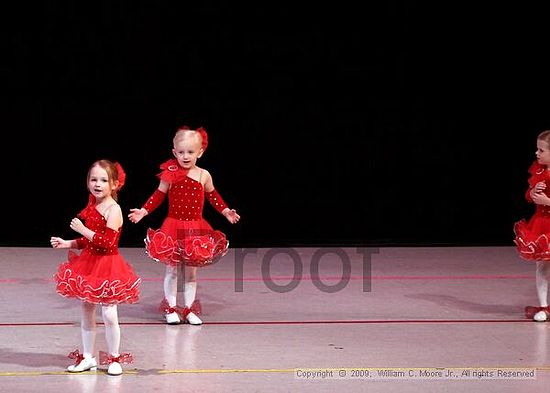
<point>154,201</point>
<point>216,200</point>
<point>81,243</point>
<point>105,240</point>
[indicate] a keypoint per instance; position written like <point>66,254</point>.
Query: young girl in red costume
<point>533,236</point>
<point>99,275</point>
<point>185,237</point>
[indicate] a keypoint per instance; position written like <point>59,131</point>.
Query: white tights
<point>171,285</point>
<point>88,328</point>
<point>541,279</point>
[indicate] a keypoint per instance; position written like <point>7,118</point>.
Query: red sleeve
<point>154,201</point>
<point>81,243</point>
<point>216,200</point>
<point>105,240</point>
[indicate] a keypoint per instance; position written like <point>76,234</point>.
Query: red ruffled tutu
<point>98,279</point>
<point>191,242</point>
<point>532,238</point>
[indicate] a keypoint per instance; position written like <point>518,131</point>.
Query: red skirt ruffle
<point>193,243</point>
<point>532,238</point>
<point>98,279</point>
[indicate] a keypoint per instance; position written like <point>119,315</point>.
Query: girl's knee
<point>110,315</point>
<point>192,277</point>
<point>171,271</point>
<point>543,268</point>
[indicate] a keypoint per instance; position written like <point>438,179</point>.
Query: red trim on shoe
<point>167,309</point>
<point>530,311</point>
<point>105,358</point>
<point>76,355</point>
<point>195,308</point>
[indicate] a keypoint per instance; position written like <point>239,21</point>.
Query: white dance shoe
<point>114,369</point>
<point>541,316</point>
<point>84,365</point>
<point>193,319</point>
<point>172,318</point>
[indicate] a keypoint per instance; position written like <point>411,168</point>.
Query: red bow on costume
<point>105,358</point>
<point>76,355</point>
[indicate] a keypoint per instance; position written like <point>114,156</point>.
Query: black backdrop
<point>391,123</point>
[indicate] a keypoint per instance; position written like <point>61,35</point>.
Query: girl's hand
<point>540,198</point>
<point>540,186</point>
<point>537,189</point>
<point>137,214</point>
<point>231,215</point>
<point>57,242</point>
<point>77,225</point>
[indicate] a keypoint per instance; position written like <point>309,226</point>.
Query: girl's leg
<point>170,292</point>
<point>541,279</point>
<point>88,333</point>
<point>190,293</point>
<point>112,328</point>
<point>88,329</point>
<point>112,336</point>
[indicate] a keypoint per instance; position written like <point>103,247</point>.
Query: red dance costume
<point>185,236</point>
<point>532,236</point>
<point>99,275</point>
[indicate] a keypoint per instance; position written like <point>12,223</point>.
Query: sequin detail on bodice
<point>186,200</point>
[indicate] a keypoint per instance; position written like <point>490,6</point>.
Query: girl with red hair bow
<point>185,237</point>
<point>99,275</point>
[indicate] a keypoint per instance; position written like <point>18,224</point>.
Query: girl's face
<point>98,183</point>
<point>187,150</point>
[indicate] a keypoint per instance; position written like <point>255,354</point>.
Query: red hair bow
<point>121,175</point>
<point>202,133</point>
<point>204,137</point>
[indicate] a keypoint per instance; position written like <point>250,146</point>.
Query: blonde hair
<point>545,136</point>
<point>184,133</point>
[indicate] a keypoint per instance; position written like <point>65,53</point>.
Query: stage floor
<point>395,319</point>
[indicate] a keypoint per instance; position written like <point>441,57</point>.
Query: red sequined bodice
<point>186,200</point>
